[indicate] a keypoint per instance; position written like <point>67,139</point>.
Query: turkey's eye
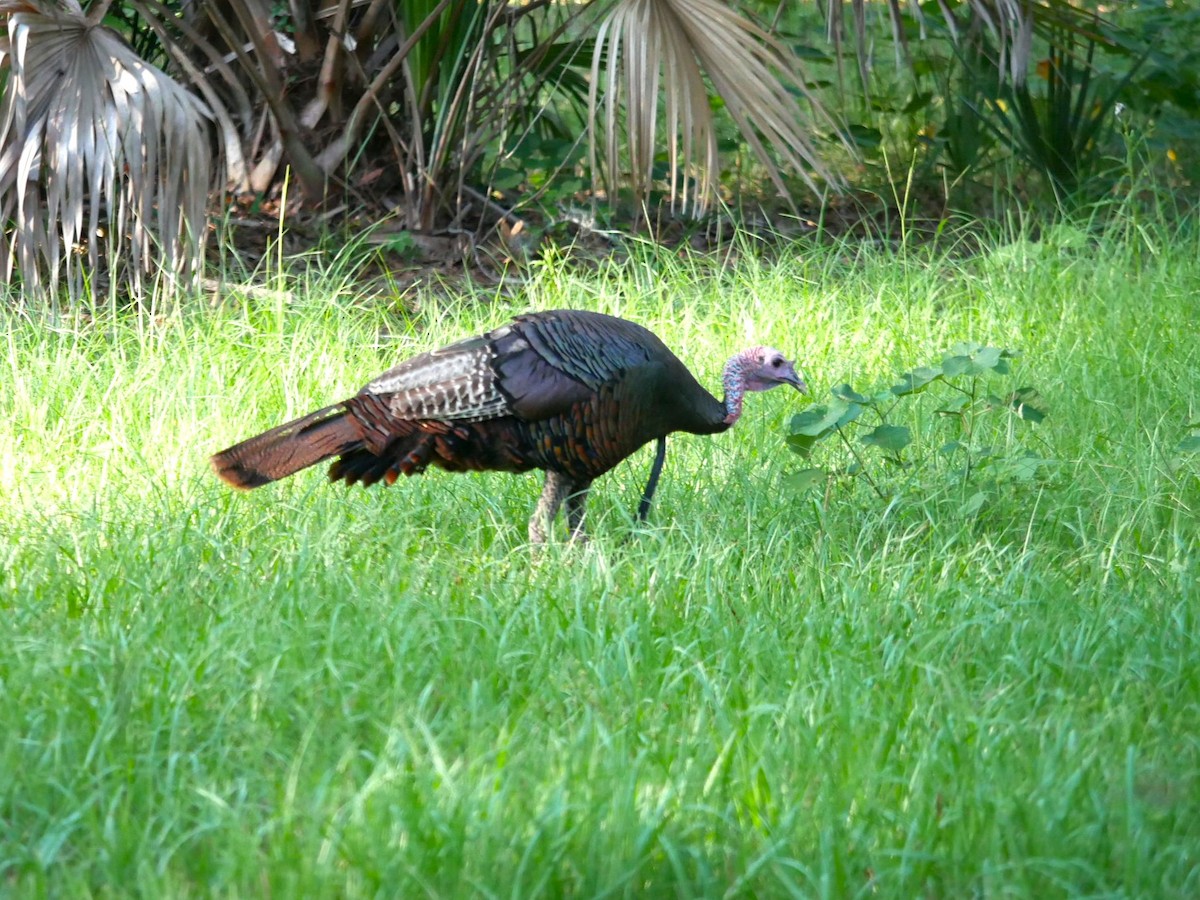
<point>777,362</point>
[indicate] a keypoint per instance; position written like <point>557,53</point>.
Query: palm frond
<point>674,43</point>
<point>98,149</point>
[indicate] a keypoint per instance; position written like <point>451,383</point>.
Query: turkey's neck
<point>709,415</point>
<point>734,382</point>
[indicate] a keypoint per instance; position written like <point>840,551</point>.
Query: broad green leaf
<point>1026,468</point>
<point>801,443</point>
<point>853,411</point>
<point>917,102</point>
<point>804,479</point>
<point>892,438</point>
<point>864,136</point>
<point>1024,402</point>
<point>955,405</point>
<point>951,447</point>
<point>987,358</point>
<point>805,51</point>
<point>916,380</point>
<point>973,504</point>
<point>847,393</point>
<point>505,179</point>
<point>1029,413</point>
<point>1190,444</point>
<point>972,360</point>
<point>817,420</point>
<point>953,366</point>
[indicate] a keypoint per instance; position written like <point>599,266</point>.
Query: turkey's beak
<point>790,377</point>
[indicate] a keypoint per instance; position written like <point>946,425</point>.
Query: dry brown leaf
<point>97,148</point>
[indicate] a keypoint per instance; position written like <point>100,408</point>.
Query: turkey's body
<point>568,391</point>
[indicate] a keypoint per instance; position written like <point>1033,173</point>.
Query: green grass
<point>305,691</point>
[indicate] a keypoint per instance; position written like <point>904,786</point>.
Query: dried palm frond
<point>645,43</point>
<point>98,149</point>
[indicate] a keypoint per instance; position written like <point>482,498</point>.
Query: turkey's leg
<point>660,454</point>
<point>576,501</point>
<point>557,489</point>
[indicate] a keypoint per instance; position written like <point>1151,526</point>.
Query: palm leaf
<point>98,149</point>
<point>645,43</point>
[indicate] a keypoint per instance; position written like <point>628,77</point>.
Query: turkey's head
<point>767,368</point>
<point>756,369</point>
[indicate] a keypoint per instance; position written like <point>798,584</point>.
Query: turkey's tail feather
<point>287,449</point>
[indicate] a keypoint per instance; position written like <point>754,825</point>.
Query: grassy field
<point>763,692</point>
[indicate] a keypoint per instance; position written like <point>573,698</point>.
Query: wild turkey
<point>568,391</point>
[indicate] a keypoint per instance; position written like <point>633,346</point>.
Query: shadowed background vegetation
<point>481,135</point>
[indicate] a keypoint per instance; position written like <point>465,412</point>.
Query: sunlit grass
<point>306,691</point>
